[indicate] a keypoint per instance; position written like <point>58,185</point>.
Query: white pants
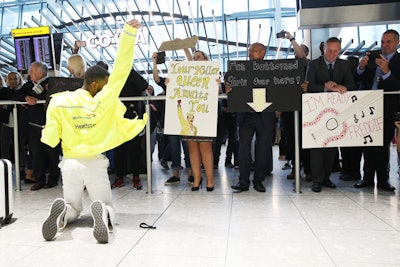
<point>90,172</point>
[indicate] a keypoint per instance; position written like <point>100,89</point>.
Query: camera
<point>396,117</point>
<point>372,56</point>
<point>160,57</point>
<point>281,35</point>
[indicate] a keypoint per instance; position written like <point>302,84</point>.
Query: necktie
<point>330,72</point>
<point>377,78</point>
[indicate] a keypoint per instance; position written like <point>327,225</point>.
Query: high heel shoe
<point>209,189</point>
<point>196,188</point>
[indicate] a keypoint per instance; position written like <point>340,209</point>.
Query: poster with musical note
<point>351,119</point>
<point>191,103</point>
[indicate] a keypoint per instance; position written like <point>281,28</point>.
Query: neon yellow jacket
<point>89,125</point>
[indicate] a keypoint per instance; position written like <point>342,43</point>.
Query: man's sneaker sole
<point>50,225</point>
<point>100,229</point>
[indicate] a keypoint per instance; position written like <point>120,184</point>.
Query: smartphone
<point>372,56</point>
<point>280,35</point>
<point>80,43</point>
<point>160,57</point>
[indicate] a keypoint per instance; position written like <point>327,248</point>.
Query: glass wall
<point>225,28</point>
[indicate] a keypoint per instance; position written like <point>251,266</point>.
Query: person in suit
<point>44,158</point>
<point>328,73</point>
<point>385,75</point>
<point>250,123</point>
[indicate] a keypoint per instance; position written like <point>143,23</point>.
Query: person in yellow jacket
<point>88,122</point>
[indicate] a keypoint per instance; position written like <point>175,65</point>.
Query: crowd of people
<point>43,139</point>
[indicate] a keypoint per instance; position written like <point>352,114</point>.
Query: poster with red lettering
<point>191,102</point>
<point>351,119</point>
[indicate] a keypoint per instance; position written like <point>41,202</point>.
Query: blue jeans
<point>175,148</point>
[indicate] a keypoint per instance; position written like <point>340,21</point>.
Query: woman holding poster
<point>200,148</point>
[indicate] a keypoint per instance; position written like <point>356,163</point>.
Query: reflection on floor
<point>337,227</point>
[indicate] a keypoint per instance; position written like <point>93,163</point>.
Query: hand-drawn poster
<point>351,119</point>
<point>265,85</point>
<point>191,103</point>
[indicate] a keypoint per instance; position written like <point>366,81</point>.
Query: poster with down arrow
<point>265,85</point>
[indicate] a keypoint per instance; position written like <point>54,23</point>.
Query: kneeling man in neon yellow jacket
<point>88,122</point>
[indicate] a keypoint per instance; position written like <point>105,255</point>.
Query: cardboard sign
<point>351,119</point>
<point>179,44</point>
<point>270,85</point>
<point>191,105</point>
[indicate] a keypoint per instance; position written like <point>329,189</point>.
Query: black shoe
<point>196,188</point>
<point>348,177</point>
<point>259,187</point>
<point>209,189</point>
<point>308,177</point>
<point>173,180</point>
<point>290,176</point>
<point>328,183</point>
<point>362,184</point>
<point>239,187</point>
<point>36,187</point>
<point>229,164</point>
<point>316,187</point>
<point>386,187</point>
<point>29,181</point>
<point>164,164</point>
<point>191,179</point>
<point>50,185</point>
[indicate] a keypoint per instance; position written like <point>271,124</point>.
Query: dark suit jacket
<point>317,74</point>
<point>392,83</point>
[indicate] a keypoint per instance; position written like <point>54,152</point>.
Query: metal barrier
<point>147,100</point>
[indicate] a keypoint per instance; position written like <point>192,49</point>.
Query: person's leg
<point>175,147</point>
<point>195,160</point>
<point>246,132</point>
<point>264,139</point>
<point>218,141</point>
<point>52,165</point>
<point>188,163</point>
<point>98,187</point>
<point>135,160</point>
<point>231,128</point>
<point>38,158</point>
<point>120,153</point>
<point>73,186</point>
<point>207,159</point>
<point>6,141</point>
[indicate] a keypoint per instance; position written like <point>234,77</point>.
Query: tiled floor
<point>337,227</point>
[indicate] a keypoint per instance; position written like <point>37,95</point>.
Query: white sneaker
<point>100,227</point>
<point>51,225</point>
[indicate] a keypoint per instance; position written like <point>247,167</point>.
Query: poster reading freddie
<point>351,119</point>
<point>192,98</point>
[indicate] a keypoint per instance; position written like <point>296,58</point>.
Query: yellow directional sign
<point>23,32</point>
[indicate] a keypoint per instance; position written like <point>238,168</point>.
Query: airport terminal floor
<point>337,227</point>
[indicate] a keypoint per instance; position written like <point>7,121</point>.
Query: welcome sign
<point>192,98</point>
